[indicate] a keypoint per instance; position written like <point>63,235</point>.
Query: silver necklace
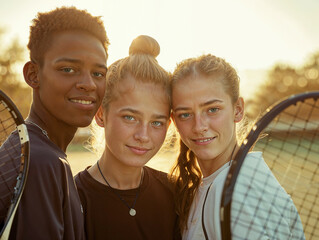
<point>43,131</point>
<point>132,210</point>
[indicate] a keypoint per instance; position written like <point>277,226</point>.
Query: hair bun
<point>144,44</point>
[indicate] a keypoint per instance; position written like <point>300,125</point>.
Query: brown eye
<point>98,74</point>
<point>67,70</point>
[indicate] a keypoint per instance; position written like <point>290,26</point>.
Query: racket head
<point>288,136</point>
<point>14,161</point>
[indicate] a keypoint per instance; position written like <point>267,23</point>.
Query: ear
<point>30,73</point>
<point>99,116</point>
<point>239,110</point>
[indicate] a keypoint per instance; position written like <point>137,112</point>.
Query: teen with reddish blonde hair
<point>206,108</point>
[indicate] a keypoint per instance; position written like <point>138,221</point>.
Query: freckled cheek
<point>216,126</point>
<point>223,127</point>
<point>159,137</point>
<point>183,127</point>
<point>117,129</point>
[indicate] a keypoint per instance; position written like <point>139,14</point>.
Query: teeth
<point>81,101</point>
<point>205,140</point>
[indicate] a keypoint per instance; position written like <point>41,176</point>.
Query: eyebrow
<point>156,116</point>
<point>210,102</point>
<point>72,60</point>
<point>201,105</point>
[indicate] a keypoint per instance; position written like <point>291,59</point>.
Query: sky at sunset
<point>252,35</point>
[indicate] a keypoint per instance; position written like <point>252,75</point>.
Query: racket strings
<point>290,147</point>
<point>7,123</point>
<point>10,159</point>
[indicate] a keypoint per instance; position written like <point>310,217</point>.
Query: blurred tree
<point>11,74</point>
<point>283,81</point>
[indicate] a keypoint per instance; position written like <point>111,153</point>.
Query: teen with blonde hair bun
<point>122,198</point>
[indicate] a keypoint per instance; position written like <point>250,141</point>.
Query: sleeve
<point>262,206</point>
<point>78,182</point>
<point>40,212</point>
<point>295,225</point>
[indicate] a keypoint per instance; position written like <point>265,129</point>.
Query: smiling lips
<point>203,141</point>
<point>85,102</point>
<point>138,150</point>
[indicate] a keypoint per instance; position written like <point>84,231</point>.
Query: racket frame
<point>24,160</point>
<point>249,141</point>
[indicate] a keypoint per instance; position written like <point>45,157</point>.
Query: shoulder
<point>256,172</point>
<point>159,176</point>
<point>82,179</point>
<point>156,173</point>
<point>254,161</point>
<point>87,185</point>
<point>44,153</point>
<point>255,156</point>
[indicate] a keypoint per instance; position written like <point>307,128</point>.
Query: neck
<point>209,167</point>
<point>117,175</point>
<point>58,132</point>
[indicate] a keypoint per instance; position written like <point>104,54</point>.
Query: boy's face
<point>72,79</point>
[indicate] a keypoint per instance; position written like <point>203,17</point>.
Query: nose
<point>200,124</point>
<point>141,134</point>
<point>86,82</point>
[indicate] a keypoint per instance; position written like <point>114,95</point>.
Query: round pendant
<point>132,212</point>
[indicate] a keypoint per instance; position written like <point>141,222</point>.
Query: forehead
<point>145,96</point>
<point>197,87</point>
<point>75,44</point>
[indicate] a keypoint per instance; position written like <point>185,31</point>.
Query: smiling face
<point>135,122</point>
<point>205,118</point>
<point>72,78</point>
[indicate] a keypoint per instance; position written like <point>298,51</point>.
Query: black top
<point>107,217</point>
<point>50,207</point>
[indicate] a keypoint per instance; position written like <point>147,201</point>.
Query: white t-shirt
<point>286,224</point>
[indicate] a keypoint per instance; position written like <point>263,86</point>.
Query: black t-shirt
<point>50,207</point>
<point>107,217</point>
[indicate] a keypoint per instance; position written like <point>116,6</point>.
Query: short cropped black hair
<point>62,19</point>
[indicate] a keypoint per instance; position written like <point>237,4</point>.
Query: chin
<point>205,156</point>
<point>83,122</point>
<point>138,162</point>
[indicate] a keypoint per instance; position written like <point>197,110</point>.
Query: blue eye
<point>213,110</point>
<point>184,115</point>
<point>157,124</point>
<point>129,118</point>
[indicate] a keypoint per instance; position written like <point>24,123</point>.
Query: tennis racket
<point>254,205</point>
<point>14,161</point>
